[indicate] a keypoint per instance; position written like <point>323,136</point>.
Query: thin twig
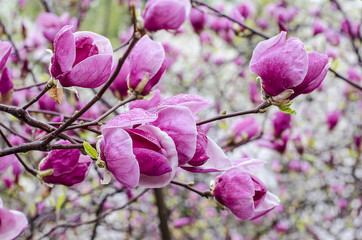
<point>258,109</point>
<point>206,194</point>
<point>46,88</point>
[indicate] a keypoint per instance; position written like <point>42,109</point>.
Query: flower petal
<point>128,119</point>
<point>171,154</point>
<point>179,124</point>
<point>194,102</point>
<point>64,49</point>
<point>118,153</point>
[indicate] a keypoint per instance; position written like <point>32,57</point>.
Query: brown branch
<point>345,79</point>
<point>30,86</point>
<point>96,122</point>
<point>259,109</point>
<point>46,88</point>
<point>206,194</point>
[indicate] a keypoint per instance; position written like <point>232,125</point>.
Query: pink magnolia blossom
<point>280,122</point>
<point>165,14</point>
<point>12,223</point>
<point>70,167</point>
<point>138,154</point>
<point>5,50</point>
<point>50,24</point>
<point>318,27</point>
<point>147,64</point>
<point>150,104</point>
<point>246,9</point>
<point>333,118</point>
<point>285,64</point>
<point>82,59</point>
<point>245,128</point>
<point>198,20</point>
<point>244,194</point>
<point>6,87</point>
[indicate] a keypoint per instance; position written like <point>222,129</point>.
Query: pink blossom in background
<point>281,122</point>
<point>246,9</point>
<point>82,59</point>
<point>198,19</point>
<point>12,223</point>
<point>147,65</point>
<point>50,24</point>
<point>333,118</point>
<point>165,14</point>
<point>244,129</point>
<point>318,27</point>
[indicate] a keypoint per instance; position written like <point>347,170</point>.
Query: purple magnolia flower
<point>197,19</point>
<point>82,59</point>
<point>246,9</point>
<point>5,50</point>
<point>70,167</point>
<point>333,118</point>
<point>6,87</point>
<point>119,86</point>
<point>146,154</point>
<point>318,27</point>
<point>244,194</point>
<point>244,129</point>
<point>50,24</point>
<point>165,14</point>
<point>150,104</point>
<point>12,223</point>
<point>280,122</point>
<point>147,64</point>
<point>285,64</point>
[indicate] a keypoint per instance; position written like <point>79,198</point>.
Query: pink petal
<point>128,119</point>
<point>194,102</point>
<point>149,105</point>
<point>5,50</point>
<point>168,144</point>
<point>317,70</point>
<point>270,202</point>
<point>178,122</point>
<point>118,153</point>
<point>12,224</point>
<point>64,49</point>
<point>249,164</point>
<point>147,57</point>
<point>91,72</point>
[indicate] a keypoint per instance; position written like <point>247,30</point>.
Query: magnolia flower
<point>144,154</point>
<point>244,194</point>
<point>147,64</point>
<point>6,87</point>
<point>82,59</point>
<point>284,64</point>
<point>244,129</point>
<point>280,122</point>
<point>5,50</point>
<point>333,119</point>
<point>68,166</point>
<point>165,14</point>
<point>197,19</point>
<point>50,24</point>
<point>12,223</point>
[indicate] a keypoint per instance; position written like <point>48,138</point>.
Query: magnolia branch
<point>259,109</point>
